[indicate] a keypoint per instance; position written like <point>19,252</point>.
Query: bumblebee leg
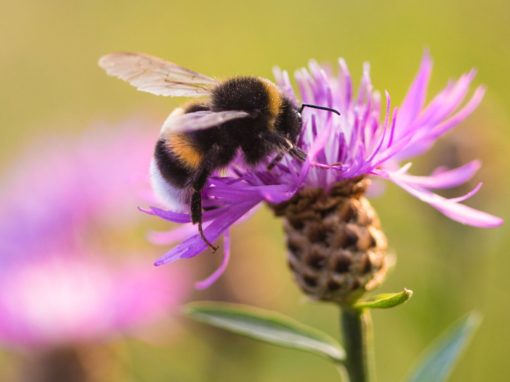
<point>196,216</point>
<point>297,153</point>
<point>285,146</point>
<point>275,160</point>
<point>198,183</point>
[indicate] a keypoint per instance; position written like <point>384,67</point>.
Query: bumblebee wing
<point>154,75</point>
<point>199,120</point>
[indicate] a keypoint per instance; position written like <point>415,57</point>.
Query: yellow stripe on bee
<point>182,148</point>
<point>275,100</point>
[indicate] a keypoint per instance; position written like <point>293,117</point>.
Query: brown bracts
<point>337,249</point>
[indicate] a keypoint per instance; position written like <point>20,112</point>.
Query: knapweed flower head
<point>69,299</point>
<point>371,139</point>
<point>60,185</point>
<point>59,205</point>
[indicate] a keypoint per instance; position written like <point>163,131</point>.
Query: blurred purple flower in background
<point>57,287</point>
<point>61,184</point>
<point>370,138</point>
<point>73,298</point>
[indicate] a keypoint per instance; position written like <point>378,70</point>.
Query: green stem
<point>357,335</point>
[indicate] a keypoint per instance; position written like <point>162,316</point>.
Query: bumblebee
<point>246,114</point>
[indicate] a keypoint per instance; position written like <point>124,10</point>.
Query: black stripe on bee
<point>171,168</point>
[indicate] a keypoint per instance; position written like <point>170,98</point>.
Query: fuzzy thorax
<point>337,249</point>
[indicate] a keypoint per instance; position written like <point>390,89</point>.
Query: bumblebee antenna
<point>318,107</point>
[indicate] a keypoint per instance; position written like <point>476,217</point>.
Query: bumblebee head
<point>289,121</point>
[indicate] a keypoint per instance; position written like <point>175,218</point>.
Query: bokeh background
<point>51,84</point>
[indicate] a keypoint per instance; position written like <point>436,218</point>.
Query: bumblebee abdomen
<point>183,147</point>
<point>171,166</point>
<point>173,197</point>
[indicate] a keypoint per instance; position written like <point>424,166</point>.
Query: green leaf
<point>439,360</point>
<point>266,326</point>
<point>385,301</point>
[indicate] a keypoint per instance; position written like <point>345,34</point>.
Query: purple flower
<point>69,298</point>
<point>370,138</point>
<point>64,206</point>
<point>60,185</point>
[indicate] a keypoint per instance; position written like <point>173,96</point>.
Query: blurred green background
<point>50,81</point>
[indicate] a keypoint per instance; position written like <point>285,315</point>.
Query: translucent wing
<point>199,120</point>
<point>154,75</point>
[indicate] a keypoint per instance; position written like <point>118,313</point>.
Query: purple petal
<point>455,211</point>
<point>443,178</point>
<point>468,195</point>
<point>459,116</point>
<point>206,283</point>
<point>415,98</point>
<point>249,193</point>
<point>195,244</point>
<point>447,100</point>
<point>384,128</point>
<point>366,85</point>
<point>424,132</point>
<point>346,83</point>
<point>179,217</point>
<point>176,217</point>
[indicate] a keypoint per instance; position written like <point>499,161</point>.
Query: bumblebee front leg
<point>276,160</point>
<point>285,146</point>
